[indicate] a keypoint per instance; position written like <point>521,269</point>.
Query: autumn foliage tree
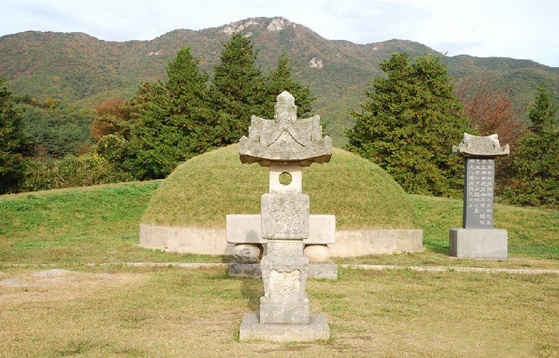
<point>490,111</point>
<point>113,116</point>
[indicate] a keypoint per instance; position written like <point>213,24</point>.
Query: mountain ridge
<point>81,68</point>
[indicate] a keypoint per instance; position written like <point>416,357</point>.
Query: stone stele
<point>285,144</point>
<point>477,238</point>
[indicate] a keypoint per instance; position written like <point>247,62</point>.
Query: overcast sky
<point>523,29</point>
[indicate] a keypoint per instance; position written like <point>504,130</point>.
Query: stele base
<point>479,243</point>
<point>316,329</point>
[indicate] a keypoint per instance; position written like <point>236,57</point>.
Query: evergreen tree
<point>175,121</point>
<point>57,128</point>
<point>409,124</point>
<point>280,80</point>
<point>536,162</point>
<point>238,87</point>
<point>15,146</point>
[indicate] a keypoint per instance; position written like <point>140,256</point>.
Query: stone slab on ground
<point>479,243</point>
<point>316,329</point>
<point>515,271</point>
<point>328,271</point>
<point>51,273</point>
<point>13,282</point>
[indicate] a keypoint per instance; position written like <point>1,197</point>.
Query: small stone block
<point>252,270</point>
<point>327,271</point>
<point>479,243</point>
<point>316,329</point>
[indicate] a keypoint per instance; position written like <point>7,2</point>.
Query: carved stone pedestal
<point>284,272</point>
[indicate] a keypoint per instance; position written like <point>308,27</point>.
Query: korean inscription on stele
<point>478,193</point>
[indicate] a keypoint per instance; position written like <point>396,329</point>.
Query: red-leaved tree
<point>113,117</point>
<point>490,111</point>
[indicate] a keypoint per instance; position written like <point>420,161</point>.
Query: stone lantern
<point>285,144</point>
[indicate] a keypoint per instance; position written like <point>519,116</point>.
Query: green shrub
<point>71,171</point>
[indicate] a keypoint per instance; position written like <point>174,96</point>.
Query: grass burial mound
<point>187,212</point>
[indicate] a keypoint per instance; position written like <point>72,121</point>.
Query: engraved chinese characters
<point>478,193</point>
<point>477,238</point>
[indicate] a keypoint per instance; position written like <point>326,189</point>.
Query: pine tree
<point>175,120</point>
<point>15,145</point>
<point>536,162</point>
<point>280,80</point>
<point>238,87</point>
<point>409,124</point>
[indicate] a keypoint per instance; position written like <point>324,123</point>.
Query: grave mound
<point>187,212</point>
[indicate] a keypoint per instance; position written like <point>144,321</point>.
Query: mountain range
<point>81,69</point>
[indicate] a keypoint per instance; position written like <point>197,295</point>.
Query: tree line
<point>168,122</point>
<point>408,123</point>
<point>412,117</point>
<point>163,124</point>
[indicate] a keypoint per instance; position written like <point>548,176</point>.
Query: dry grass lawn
<point>170,312</point>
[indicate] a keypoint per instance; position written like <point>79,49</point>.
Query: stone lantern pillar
<point>285,144</point>
<point>477,238</point>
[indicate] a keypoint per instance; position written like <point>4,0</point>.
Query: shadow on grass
<point>439,246</point>
<point>251,290</point>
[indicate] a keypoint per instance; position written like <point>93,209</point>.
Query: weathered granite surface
<point>316,329</point>
<point>480,146</point>
<point>284,144</point>
<point>285,139</point>
<point>285,216</point>
<point>246,228</point>
<point>342,243</point>
<point>284,271</point>
<point>479,184</point>
<point>479,243</point>
<point>325,271</point>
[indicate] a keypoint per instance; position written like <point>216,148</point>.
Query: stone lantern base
<point>324,271</point>
<point>479,243</point>
<point>316,329</point>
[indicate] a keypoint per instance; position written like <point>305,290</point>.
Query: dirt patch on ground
<point>59,284</point>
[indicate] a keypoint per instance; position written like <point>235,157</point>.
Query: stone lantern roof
<point>480,146</point>
<point>285,140</point>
